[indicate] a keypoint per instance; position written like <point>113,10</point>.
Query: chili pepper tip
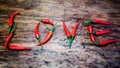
<point>17,12</point>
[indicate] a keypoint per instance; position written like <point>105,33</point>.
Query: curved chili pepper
<point>74,30</point>
<point>9,38</point>
<point>90,29</point>
<point>10,23</point>
<point>98,33</point>
<point>19,48</point>
<point>37,34</point>
<point>67,32</point>
<point>48,36</point>
<point>96,21</point>
<point>103,43</point>
<point>46,21</point>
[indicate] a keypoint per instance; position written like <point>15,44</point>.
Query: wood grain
<point>56,53</point>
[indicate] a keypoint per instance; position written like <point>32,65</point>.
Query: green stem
<point>96,44</point>
<point>52,29</point>
<point>90,22</point>
<point>9,29</point>
<point>39,39</point>
<point>14,27</point>
<point>91,33</point>
<point>70,41</point>
<point>39,19</point>
<point>69,38</point>
<point>73,37</point>
<point>91,43</point>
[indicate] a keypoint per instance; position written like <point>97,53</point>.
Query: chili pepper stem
<point>90,22</point>
<point>39,19</point>
<point>73,37</point>
<point>39,39</point>
<point>9,29</point>
<point>70,41</point>
<point>91,33</point>
<point>14,27</point>
<point>91,43</point>
<point>69,38</point>
<point>52,29</point>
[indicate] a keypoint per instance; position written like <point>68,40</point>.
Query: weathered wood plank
<point>56,53</point>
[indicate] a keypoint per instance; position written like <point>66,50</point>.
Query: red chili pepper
<point>19,48</point>
<point>10,23</point>
<point>101,22</point>
<point>75,29</point>
<point>90,29</point>
<point>7,40</point>
<point>46,21</point>
<point>73,34</point>
<point>37,34</point>
<point>98,33</point>
<point>106,42</point>
<point>96,21</point>
<point>67,32</point>
<point>48,36</point>
<point>9,37</point>
<point>70,36</point>
<point>103,43</point>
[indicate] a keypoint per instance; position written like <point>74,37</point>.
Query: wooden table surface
<point>55,53</point>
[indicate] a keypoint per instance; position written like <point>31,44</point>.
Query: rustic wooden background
<point>56,53</point>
